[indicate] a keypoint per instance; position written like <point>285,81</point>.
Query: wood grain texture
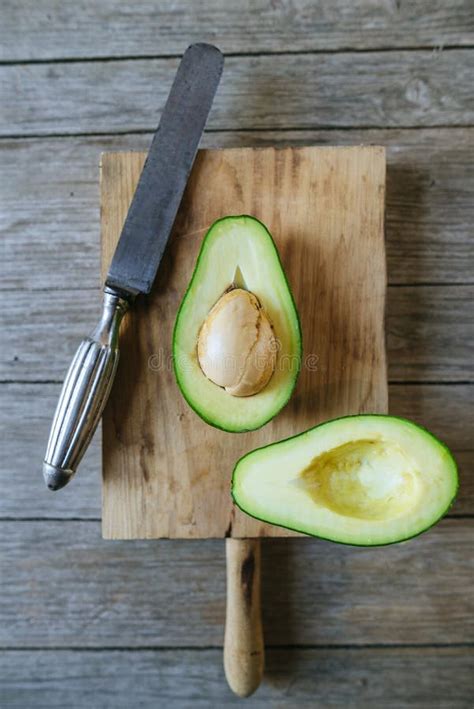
<point>110,28</point>
<point>190,679</point>
<point>101,593</point>
<point>164,469</point>
<point>26,411</point>
<point>376,89</point>
<point>429,328</point>
<point>429,202</point>
<point>416,352</point>
<point>62,586</point>
<point>431,164</point>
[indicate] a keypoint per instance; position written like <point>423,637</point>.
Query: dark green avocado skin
<point>212,421</point>
<point>326,539</point>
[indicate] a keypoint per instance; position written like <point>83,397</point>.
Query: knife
<point>136,260</point>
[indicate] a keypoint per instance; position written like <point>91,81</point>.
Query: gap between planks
<point>205,648</point>
<point>438,47</point>
<point>210,131</point>
<point>236,131</point>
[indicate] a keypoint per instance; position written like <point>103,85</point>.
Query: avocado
<point>366,480</point>
<point>237,336</point>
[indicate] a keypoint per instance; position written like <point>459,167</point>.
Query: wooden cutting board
<point>166,473</point>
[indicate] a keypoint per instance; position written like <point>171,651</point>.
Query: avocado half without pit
<point>366,480</point>
<point>237,337</point>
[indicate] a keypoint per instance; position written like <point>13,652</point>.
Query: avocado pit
<point>236,345</point>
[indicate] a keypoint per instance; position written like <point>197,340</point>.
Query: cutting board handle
<point>243,642</point>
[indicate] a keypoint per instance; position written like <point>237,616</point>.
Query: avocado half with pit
<point>237,337</point>
<point>366,480</point>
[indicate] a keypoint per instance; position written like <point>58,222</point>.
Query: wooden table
<point>88,623</point>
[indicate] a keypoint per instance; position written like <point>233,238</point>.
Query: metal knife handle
<point>84,394</point>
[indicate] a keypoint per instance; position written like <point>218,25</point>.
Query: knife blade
<point>136,259</point>
<point>166,171</point>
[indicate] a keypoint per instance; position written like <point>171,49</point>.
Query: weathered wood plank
<point>430,333</point>
<point>110,28</point>
<point>62,586</point>
<point>429,208</point>
<point>426,330</point>
<point>464,504</point>
<point>42,333</point>
<point>27,409</point>
<point>26,413</point>
<point>377,89</point>
<point>429,202</point>
<point>303,677</point>
<point>446,410</point>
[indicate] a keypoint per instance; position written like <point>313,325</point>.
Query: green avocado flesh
<point>366,480</point>
<point>237,249</point>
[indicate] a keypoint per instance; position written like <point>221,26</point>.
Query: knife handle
<point>244,652</point>
<point>84,394</point>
